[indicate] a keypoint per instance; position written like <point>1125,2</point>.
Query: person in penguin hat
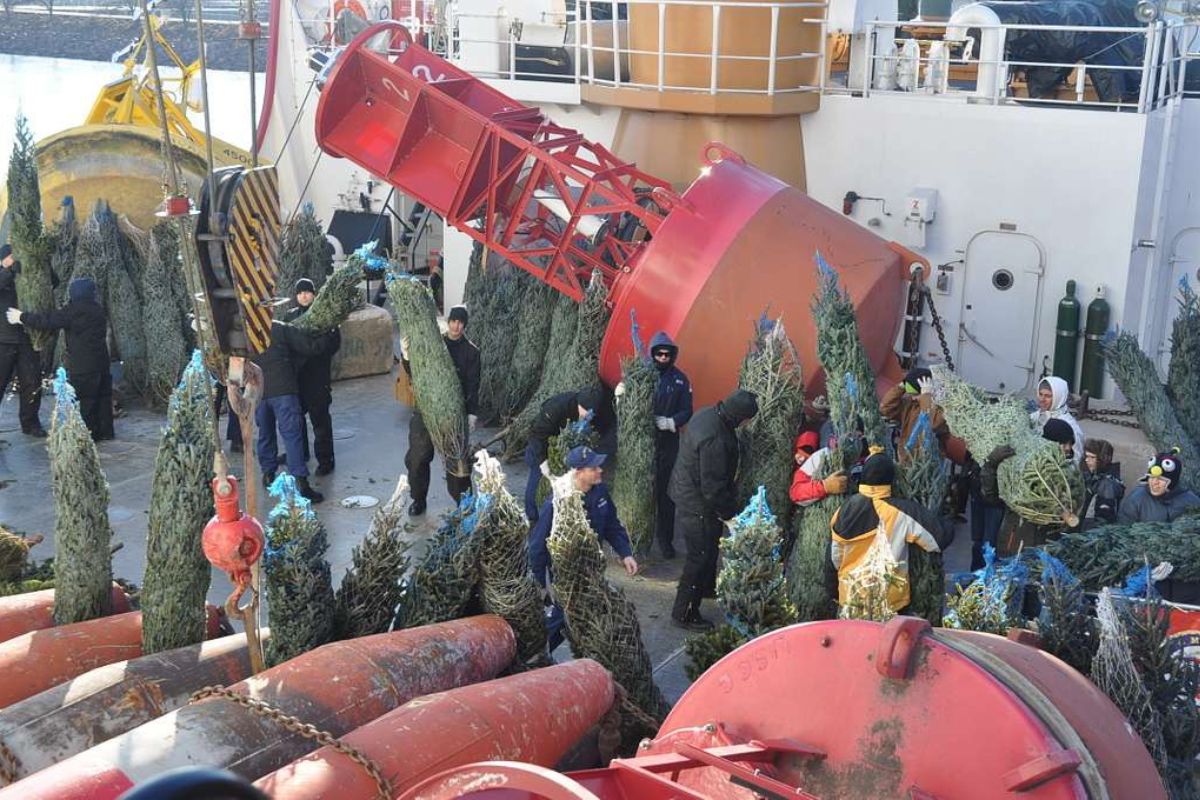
<point>1161,496</point>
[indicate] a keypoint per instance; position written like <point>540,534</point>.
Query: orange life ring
<point>353,6</point>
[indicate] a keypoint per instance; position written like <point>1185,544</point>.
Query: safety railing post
<point>716,48</point>
<point>773,53</point>
<point>587,16</point>
<point>662,45</point>
<point>616,34</point>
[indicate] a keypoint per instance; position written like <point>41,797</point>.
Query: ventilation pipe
<point>991,45</point>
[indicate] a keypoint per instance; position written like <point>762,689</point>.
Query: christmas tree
<point>370,590</point>
<point>633,478</point>
<point>303,253</point>
<point>163,323</point>
<point>300,599</point>
<point>177,573</point>
<point>442,586</point>
<point>32,245</point>
<point>82,535</point>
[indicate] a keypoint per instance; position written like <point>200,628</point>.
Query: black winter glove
<point>1000,455</point>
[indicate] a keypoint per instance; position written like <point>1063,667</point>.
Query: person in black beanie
<point>314,376</point>
<point>465,356</point>
<point>17,356</point>
<point>705,495</point>
<point>554,413</point>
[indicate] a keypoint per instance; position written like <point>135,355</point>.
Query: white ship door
<point>1185,263</point>
<point>1002,292</point>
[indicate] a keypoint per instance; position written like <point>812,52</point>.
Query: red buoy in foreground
<point>34,611</point>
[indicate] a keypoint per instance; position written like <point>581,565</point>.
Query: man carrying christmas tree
<point>873,512</point>
<point>904,403</point>
<point>1016,532</point>
<point>465,356</point>
<point>704,488</point>
<point>555,412</point>
<point>672,410</point>
<point>279,406</point>
<point>17,357</point>
<point>587,476</point>
<point>314,379</point>
<point>87,364</point>
<point>1161,497</point>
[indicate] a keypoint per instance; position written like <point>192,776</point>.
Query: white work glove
<point>545,468</point>
<point>472,419</point>
<point>404,347</point>
<point>14,316</point>
<point>665,424</point>
<point>620,390</point>
<point>925,385</point>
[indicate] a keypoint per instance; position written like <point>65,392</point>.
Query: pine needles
<point>503,304</point>
<point>82,535</point>
<point>338,297</point>
<point>163,320</point>
<point>1183,374</point>
<point>1037,483</point>
<point>32,245</point>
<point>1102,556</point>
<point>302,254</point>
<point>1137,378</point>
<point>370,589</point>
<point>442,585</point>
<point>601,623</point>
<point>177,573</point>
<point>771,372</point>
<point>535,315</point>
<point>870,587</point>
<point>633,478</point>
<point>1065,623</point>
<point>506,584</point>
<point>300,599</point>
<point>435,382</point>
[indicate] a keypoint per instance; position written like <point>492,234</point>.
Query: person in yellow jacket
<point>872,511</point>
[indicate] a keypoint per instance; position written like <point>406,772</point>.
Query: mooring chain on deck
<point>10,766</point>
<point>298,726</point>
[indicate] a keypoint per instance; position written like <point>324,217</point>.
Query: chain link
<point>10,766</point>
<point>937,326</point>
<point>301,728</point>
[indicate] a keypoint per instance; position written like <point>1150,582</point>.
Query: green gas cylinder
<point>1066,343</point>
<point>1091,379</point>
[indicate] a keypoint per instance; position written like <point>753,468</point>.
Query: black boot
<point>307,492</point>
<point>324,469</point>
<point>417,508</point>
<point>268,479</point>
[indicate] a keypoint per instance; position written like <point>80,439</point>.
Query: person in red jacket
<point>805,488</point>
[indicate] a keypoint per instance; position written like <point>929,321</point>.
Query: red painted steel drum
<point>34,611</point>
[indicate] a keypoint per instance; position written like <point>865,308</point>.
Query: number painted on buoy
<point>389,84</point>
<point>426,74</point>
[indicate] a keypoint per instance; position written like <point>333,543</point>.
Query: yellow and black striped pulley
<point>237,236</point>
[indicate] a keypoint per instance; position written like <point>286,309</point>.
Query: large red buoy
<point>336,688</point>
<point>34,611</point>
<point>33,662</point>
<point>69,718</point>
<point>533,717</point>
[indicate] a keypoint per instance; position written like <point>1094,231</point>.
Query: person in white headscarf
<point>1052,404</point>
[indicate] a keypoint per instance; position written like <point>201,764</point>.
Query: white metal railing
<point>598,46</point>
<point>1159,77</point>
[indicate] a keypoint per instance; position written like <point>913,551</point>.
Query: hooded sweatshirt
<point>673,395</point>
<point>702,482</point>
<point>85,324</point>
<point>1058,410</point>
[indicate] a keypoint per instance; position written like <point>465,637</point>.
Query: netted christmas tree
<point>177,572</point>
<point>164,324</point>
<point>1037,482</point>
<point>14,555</point>
<point>300,599</point>
<point>435,383</point>
<point>82,535</point>
<point>303,253</point>
<point>1183,374</point>
<point>1102,556</point>
<point>750,585</point>
<point>370,590</point>
<point>992,602</point>
<point>870,585</point>
<point>534,317</point>
<point>123,301</point>
<point>508,291</point>
<point>771,371</point>
<point>99,250</point>
<point>570,370</point>
<point>1065,623</point>
<point>633,478</point>
<point>506,585</point>
<point>32,245</point>
<point>580,433</point>
<point>339,295</point>
<point>65,233</point>
<point>854,413</point>
<point>601,623</point>
<point>443,584</point>
<point>920,476</point>
<point>1137,378</point>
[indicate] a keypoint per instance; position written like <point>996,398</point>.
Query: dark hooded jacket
<point>1141,506</point>
<point>703,479</point>
<point>289,347</point>
<point>9,334</point>
<point>85,324</point>
<point>314,373</point>
<point>673,396</point>
<point>558,411</point>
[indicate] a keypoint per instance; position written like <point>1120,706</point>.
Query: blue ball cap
<point>583,457</point>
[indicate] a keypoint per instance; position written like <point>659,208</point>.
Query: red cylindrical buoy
<point>36,661</point>
<point>336,688</point>
<point>110,700</point>
<point>34,611</point>
<point>533,717</point>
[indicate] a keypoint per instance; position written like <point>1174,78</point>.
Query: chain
<point>10,765</point>
<point>1114,417</point>
<point>301,728</point>
<point>937,326</point>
